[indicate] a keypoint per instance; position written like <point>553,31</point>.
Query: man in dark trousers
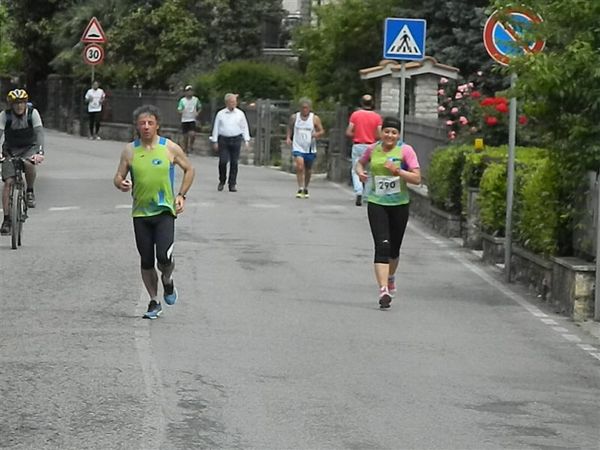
<point>229,130</point>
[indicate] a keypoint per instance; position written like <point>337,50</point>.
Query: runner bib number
<point>304,138</point>
<point>387,185</point>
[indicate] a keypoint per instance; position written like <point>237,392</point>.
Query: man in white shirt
<point>94,98</point>
<point>189,107</point>
<point>229,130</point>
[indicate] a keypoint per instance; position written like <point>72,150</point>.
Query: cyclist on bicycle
<point>23,132</point>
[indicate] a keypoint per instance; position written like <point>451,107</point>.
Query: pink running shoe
<point>384,298</point>
<point>392,286</point>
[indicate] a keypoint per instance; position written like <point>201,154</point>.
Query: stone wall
<point>573,287</point>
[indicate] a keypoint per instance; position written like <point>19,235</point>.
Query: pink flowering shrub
<point>469,115</point>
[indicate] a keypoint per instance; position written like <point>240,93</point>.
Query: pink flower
<point>452,135</point>
<point>458,96</point>
<point>441,109</point>
<point>471,85</point>
<point>463,88</point>
<point>441,92</point>
<point>443,80</point>
<point>449,123</point>
<point>463,120</point>
<point>454,110</point>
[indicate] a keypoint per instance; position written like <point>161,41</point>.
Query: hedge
<point>444,177</point>
<point>536,216</point>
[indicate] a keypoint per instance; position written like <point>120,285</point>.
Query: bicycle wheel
<point>15,216</point>
<point>22,218</point>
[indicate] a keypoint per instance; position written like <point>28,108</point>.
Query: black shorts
<point>186,127</point>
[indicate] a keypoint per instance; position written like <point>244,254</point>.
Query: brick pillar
<point>426,99</point>
<point>390,95</point>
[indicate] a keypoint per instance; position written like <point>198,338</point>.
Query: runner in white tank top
<point>304,141</point>
<point>304,128</point>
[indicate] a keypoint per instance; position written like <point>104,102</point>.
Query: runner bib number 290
<point>387,185</point>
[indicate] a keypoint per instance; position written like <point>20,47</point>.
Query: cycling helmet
<point>17,95</point>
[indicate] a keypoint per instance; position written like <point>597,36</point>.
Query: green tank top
<point>153,176</point>
<point>386,189</point>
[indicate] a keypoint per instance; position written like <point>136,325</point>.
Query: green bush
<point>444,177</point>
<point>538,217</point>
<point>250,79</point>
<point>492,199</point>
<point>477,161</point>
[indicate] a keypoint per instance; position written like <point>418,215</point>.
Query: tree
<point>239,26</point>
<point>561,90</point>
<point>10,61</point>
<point>347,38</point>
<point>455,38</point>
<point>150,44</point>
<point>33,34</point>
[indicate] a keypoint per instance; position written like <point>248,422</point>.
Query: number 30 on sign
<point>93,54</point>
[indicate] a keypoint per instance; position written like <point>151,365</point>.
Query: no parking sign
<point>505,34</point>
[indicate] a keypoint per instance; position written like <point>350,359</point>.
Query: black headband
<point>391,122</point>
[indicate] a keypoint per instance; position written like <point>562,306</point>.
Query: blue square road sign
<point>404,39</point>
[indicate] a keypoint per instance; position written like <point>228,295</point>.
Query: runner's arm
<point>350,130</point>
<point>319,130</point>
<point>180,159</point>
<point>120,181</point>
<point>290,129</point>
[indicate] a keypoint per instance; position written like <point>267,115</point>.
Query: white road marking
<point>550,321</point>
<point>263,205</point>
<point>571,338</point>
<point>560,329</point>
<point>587,347</point>
<point>201,204</point>
<point>595,355</point>
<point>154,425</point>
<point>64,208</point>
<point>123,206</point>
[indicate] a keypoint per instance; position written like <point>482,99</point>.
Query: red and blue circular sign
<point>506,34</point>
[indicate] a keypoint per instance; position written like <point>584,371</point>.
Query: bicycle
<point>17,202</point>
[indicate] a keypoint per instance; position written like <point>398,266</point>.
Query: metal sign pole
<point>597,285</point>
<point>402,96</point>
<point>512,135</point>
<point>93,74</point>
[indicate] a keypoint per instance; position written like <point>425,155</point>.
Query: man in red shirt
<point>364,128</point>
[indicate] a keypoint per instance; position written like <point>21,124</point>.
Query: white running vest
<point>303,140</point>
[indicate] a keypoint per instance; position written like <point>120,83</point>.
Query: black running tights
<point>388,224</point>
<point>155,232</point>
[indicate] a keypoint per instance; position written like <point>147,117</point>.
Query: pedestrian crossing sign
<point>404,39</point>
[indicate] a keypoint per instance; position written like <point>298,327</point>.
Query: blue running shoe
<point>154,310</point>
<point>170,293</point>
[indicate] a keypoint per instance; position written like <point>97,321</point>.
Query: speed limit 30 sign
<point>93,54</point>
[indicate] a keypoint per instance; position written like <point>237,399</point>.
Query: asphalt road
<point>276,341</point>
